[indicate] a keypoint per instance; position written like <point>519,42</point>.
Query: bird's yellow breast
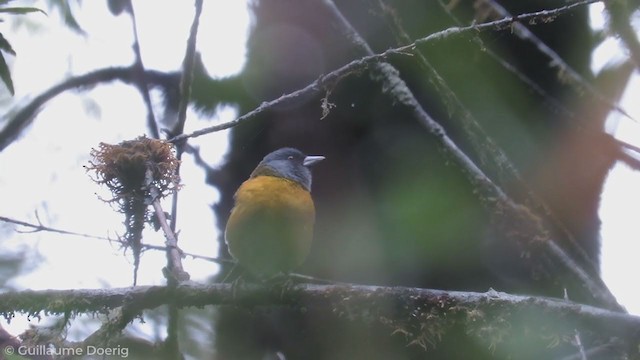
<point>271,225</point>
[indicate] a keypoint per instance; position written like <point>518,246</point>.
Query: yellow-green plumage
<point>271,226</point>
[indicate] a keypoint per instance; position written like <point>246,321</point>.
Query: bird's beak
<point>310,160</point>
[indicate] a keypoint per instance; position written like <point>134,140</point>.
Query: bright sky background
<point>43,170</point>
<point>620,201</point>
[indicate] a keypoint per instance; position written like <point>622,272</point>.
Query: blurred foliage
<point>66,9</point>
<point>10,266</point>
<point>12,262</point>
<point>5,47</point>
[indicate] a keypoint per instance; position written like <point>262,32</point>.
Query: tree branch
<point>396,304</point>
<point>23,118</point>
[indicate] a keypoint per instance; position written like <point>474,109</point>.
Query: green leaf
<point>5,75</point>
<point>21,10</point>
<point>4,45</point>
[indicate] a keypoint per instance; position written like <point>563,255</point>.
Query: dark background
<point>392,209</point>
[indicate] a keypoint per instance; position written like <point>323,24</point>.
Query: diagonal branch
<point>489,153</point>
<point>174,272</point>
<point>557,62</point>
<point>119,319</point>
<point>557,105</point>
<point>490,194</point>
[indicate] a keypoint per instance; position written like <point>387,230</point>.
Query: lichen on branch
<point>136,172</point>
<point>122,167</point>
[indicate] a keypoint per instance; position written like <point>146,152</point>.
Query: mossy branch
<point>414,312</point>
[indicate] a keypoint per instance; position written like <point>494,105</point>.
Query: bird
<point>270,228</point>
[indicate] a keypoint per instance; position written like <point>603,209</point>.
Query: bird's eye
<point>290,158</point>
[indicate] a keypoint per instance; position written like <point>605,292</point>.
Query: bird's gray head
<point>288,163</point>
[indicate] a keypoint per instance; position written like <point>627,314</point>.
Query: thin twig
<point>577,338</point>
<point>185,95</point>
<point>610,350</point>
<point>174,254</point>
<point>220,261</point>
<point>187,71</point>
<point>315,280</point>
<point>40,227</point>
<point>175,272</point>
<point>627,146</point>
<point>141,76</point>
